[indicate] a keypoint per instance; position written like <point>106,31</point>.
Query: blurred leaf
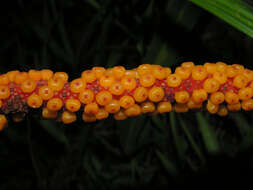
<point>93,3</point>
<point>208,134</point>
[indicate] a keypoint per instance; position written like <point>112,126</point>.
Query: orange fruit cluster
<point>99,92</point>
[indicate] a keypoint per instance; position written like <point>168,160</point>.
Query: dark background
<point>147,151</point>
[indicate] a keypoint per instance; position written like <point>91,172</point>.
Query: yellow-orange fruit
<point>221,67</point>
<point>120,115</point>
<point>129,83</point>
<point>144,69</point>
<point>48,114</point>
<point>210,68</point>
<point>34,101</point>
<point>56,83</point>
<point>245,93</point>
<point>211,85</point>
<point>28,86</point>
<point>212,108</point>
<point>86,96</point>
<point>182,96</point>
<point>239,68</point>
<point>68,117</point>
<point>217,97</point>
<point>180,108</point>
<point>102,114</point>
<point>167,71</point>
<point>247,105</point>
<point>77,85</point>
<point>62,75</point>
<point>89,76</point>
<point>231,98</point>
<point>54,104</point>
<point>240,81</point>
<point>183,72</point>
<point>91,108</point>
<point>116,88</point>
<point>220,77</point>
<point>140,94</point>
<point>46,74</point>
<point>174,80</point>
<point>234,107</point>
<point>134,110</point>
<point>113,106</point>
<point>147,107</point>
<point>99,71</point>
<point>147,80</point>
<point>109,72</point>
<point>72,104</point>
<point>3,122</point>
<point>156,94</point>
<point>103,98</point>
<point>188,65</point>
<point>131,73</point>
<point>223,111</point>
<point>126,101</point>
<point>4,80</point>
<point>158,72</point>
<point>118,72</point>
<point>4,92</point>
<point>199,95</point>
<point>248,74</point>
<point>106,80</point>
<point>12,75</point>
<point>34,74</point>
<point>192,105</point>
<point>20,77</point>
<point>45,92</point>
<point>88,118</point>
<point>231,72</point>
<point>199,72</point>
<point>164,107</point>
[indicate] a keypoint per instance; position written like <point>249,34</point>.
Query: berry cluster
<point>124,93</point>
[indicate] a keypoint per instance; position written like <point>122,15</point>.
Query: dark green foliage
<point>160,150</point>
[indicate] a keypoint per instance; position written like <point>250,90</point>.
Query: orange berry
<point>89,76</point>
<point>120,115</point>
<point>147,80</point>
<point>217,97</point>
<point>131,73</point>
<point>221,67</point>
<point>192,105</point>
<point>248,74</point>
<point>212,108</point>
<point>56,83</point>
<point>210,68</point>
<point>223,111</point>
<point>234,107</point>
<point>102,114</point>
<point>48,114</point>
<point>156,94</point>
<point>4,80</point>
<point>174,80</point>
<point>21,77</point>
<point>91,108</point>
<point>183,72</point>
<point>167,71</point>
<point>106,80</point>
<point>86,96</point>
<point>46,74</point>
<point>113,106</point>
<point>247,105</point>
<point>231,98</point>
<point>1,103</point>
<point>54,104</point>
<point>99,71</point>
<point>240,81</point>
<point>245,93</point>
<point>116,88</point>
<point>144,69</point>
<point>103,98</point>
<point>126,101</point>
<point>109,72</point>
<point>28,86</point>
<point>4,92</point>
<point>188,65</point>
<point>239,68</point>
<point>77,85</point>
<point>129,83</point>
<point>211,85</point>
<point>158,72</point>
<point>45,92</point>
<point>182,97</point>
<point>68,117</point>
<point>62,75</point>
<point>199,95</point>
<point>199,72</point>
<point>3,122</point>
<point>72,104</point>
<point>88,118</point>
<point>231,71</point>
<point>133,110</point>
<point>34,101</point>
<point>34,74</point>
<point>147,107</point>
<point>140,94</point>
<point>180,108</point>
<point>12,75</point>
<point>118,71</point>
<point>164,107</point>
<point>220,77</point>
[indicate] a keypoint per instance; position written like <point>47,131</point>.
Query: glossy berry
<point>183,72</point>
<point>199,72</point>
<point>99,71</point>
<point>234,107</point>
<point>211,85</point>
<point>68,117</point>
<point>120,115</point>
<point>245,93</point>
<point>240,81</point>
<point>182,97</point>
<point>180,108</point>
<point>174,80</point>
<point>239,68</point>
<point>45,92</point>
<point>28,86</point>
<point>231,98</point>
<point>61,75</point>
<point>34,74</point>
<point>192,105</point>
<point>164,107</point>
<point>103,98</point>
<point>221,67</point>
<point>128,83</point>
<point>231,72</point>
<point>54,104</point>
<point>86,96</point>
<point>223,111</point>
<point>89,76</point>
<point>46,74</point>
<point>210,68</point>
<point>20,77</point>
<point>147,107</point>
<point>88,118</point>
<point>220,77</point>
<point>118,72</point>
<point>72,104</point>
<point>12,75</point>
<point>147,80</point>
<point>144,69</point>
<point>140,94</point>
<point>34,101</point>
<point>217,97</point>
<point>212,108</point>
<point>4,80</point>
<point>77,85</point>
<point>101,114</point>
<point>4,92</point>
<point>130,74</point>
<point>158,72</point>
<point>126,101</point>
<point>156,94</point>
<point>247,105</point>
<point>48,114</point>
<point>56,83</point>
<point>199,96</point>
<point>167,71</point>
<point>188,65</point>
<point>248,74</point>
<point>113,106</point>
<point>106,80</point>
<point>133,110</point>
<point>91,108</point>
<point>116,88</point>
<point>3,122</point>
